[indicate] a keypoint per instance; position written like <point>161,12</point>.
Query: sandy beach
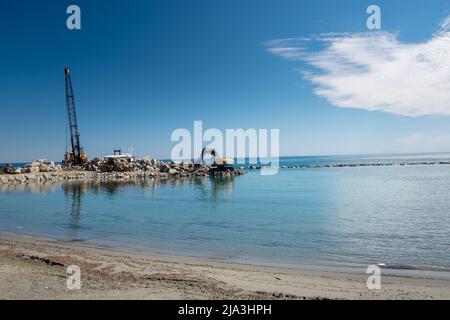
<point>35,268</point>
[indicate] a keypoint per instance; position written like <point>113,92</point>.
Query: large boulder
<point>29,168</point>
<point>44,168</point>
<point>9,169</point>
<point>164,167</point>
<point>47,167</point>
<point>105,167</point>
<point>144,161</point>
<point>121,166</point>
<point>37,163</point>
<point>41,165</point>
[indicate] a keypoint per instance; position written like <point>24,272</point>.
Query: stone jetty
<point>109,169</point>
<point>354,165</point>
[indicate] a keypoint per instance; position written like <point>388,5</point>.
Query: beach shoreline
<point>35,268</point>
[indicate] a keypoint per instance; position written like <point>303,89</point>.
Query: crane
<point>77,156</point>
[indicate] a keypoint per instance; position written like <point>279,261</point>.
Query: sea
<point>349,216</point>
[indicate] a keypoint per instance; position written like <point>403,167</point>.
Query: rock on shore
<point>153,167</point>
<point>34,167</point>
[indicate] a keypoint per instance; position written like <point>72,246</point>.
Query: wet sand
<point>35,268</point>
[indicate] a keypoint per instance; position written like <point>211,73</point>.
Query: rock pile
<point>35,167</point>
<point>122,165</point>
<point>155,166</point>
<point>41,166</point>
<point>110,169</point>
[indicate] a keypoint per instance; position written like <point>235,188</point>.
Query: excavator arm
<point>217,159</point>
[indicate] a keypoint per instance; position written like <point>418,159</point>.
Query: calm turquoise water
<point>330,216</point>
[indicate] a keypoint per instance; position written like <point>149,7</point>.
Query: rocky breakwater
<point>354,165</point>
<point>110,169</point>
<point>35,167</point>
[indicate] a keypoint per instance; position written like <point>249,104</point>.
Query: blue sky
<point>144,68</point>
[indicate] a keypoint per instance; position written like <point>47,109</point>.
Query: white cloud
<point>375,71</point>
<point>445,25</point>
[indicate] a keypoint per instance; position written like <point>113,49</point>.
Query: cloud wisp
<point>375,71</point>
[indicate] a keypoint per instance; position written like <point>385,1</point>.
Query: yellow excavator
<point>219,163</point>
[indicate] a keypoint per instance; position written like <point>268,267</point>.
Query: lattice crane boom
<point>77,156</point>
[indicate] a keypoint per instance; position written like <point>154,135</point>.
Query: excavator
<point>77,156</point>
<point>219,163</point>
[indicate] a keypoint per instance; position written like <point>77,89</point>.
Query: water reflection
<point>206,189</point>
<point>74,192</point>
<point>43,187</point>
<point>218,189</point>
<point>209,188</point>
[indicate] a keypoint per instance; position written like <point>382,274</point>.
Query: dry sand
<point>34,268</point>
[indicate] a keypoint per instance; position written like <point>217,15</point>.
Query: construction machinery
<point>77,156</point>
<point>219,163</point>
<point>119,155</point>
